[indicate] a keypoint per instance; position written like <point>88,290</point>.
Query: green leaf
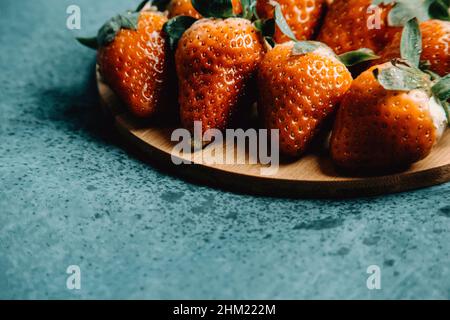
<point>433,75</point>
<point>214,8</point>
<point>445,106</point>
<point>439,9</point>
<point>405,10</point>
<point>358,56</point>
<point>107,33</point>
<point>259,25</point>
<point>304,47</point>
<point>175,28</point>
<point>411,43</point>
<point>281,21</point>
<point>89,42</point>
<point>402,78</point>
<point>265,27</point>
<point>442,89</point>
<point>129,21</point>
<point>141,5</point>
<point>109,30</point>
<point>248,9</point>
<point>424,66</point>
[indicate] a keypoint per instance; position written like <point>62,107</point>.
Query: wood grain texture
<point>313,176</point>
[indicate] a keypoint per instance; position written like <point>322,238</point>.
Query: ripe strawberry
<point>302,16</point>
<point>377,129</point>
<point>300,85</point>
<point>182,8</point>
<point>392,115</point>
<point>352,24</point>
<point>435,48</point>
<point>216,60</point>
<point>185,8</point>
<point>132,60</point>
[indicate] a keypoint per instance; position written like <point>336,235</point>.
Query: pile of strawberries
<point>373,71</point>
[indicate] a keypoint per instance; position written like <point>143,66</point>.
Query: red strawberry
<point>301,85</point>
<point>216,60</point>
<point>435,48</point>
<point>392,115</point>
<point>182,8</point>
<point>132,60</point>
<point>377,129</point>
<point>302,16</point>
<point>351,24</point>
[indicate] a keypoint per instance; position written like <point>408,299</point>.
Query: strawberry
<point>301,84</point>
<point>185,8</point>
<point>393,114</point>
<point>353,24</point>
<point>302,16</point>
<point>132,59</point>
<point>216,61</point>
<point>435,47</point>
<point>182,8</point>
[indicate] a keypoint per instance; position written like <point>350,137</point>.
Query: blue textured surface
<point>69,194</point>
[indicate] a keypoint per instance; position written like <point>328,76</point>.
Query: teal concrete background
<point>71,195</point>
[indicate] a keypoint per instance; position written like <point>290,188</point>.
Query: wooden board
<point>313,176</point>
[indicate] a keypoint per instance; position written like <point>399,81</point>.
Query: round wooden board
<point>313,176</point>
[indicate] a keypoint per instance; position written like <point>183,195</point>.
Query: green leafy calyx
<point>352,58</point>
<point>411,43</point>
<point>128,20</point>
<point>442,88</point>
<point>402,76</point>
<point>349,59</point>
<point>174,29</point>
<point>281,22</point>
<point>214,8</point>
<point>404,10</point>
<point>223,9</point>
<point>407,74</point>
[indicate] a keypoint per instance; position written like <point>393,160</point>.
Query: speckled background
<point>71,194</point>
